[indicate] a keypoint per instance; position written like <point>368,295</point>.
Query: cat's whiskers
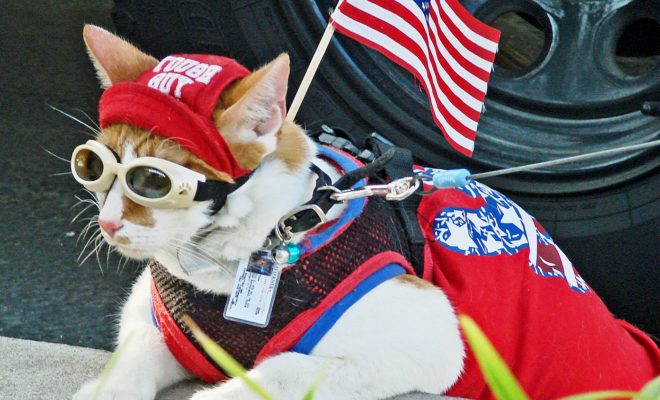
<point>89,192</point>
<point>97,251</point>
<point>197,253</point>
<point>107,257</point>
<point>190,248</point>
<point>190,254</point>
<point>99,241</point>
<point>93,239</point>
<point>123,261</point>
<point>80,110</point>
<point>55,155</point>
<point>83,211</point>
<point>60,159</point>
<point>87,243</point>
<point>91,222</point>
<point>96,131</point>
<point>82,201</point>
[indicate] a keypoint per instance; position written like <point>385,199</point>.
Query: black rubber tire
<point>604,215</point>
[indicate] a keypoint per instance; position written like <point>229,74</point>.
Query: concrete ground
<point>32,370</point>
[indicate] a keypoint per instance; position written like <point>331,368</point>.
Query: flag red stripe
<point>391,31</point>
<point>477,26</point>
<point>457,78</point>
<point>400,37</point>
<point>403,12</point>
<point>408,36</point>
<point>368,19</point>
<point>457,55</point>
<point>467,43</point>
<point>450,119</point>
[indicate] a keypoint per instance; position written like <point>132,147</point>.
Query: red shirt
<point>552,330</point>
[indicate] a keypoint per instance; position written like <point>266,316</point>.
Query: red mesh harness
<point>306,291</point>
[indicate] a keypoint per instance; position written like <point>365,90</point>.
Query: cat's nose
<point>110,227</point>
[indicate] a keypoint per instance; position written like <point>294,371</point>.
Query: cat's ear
<point>115,59</point>
<point>257,106</point>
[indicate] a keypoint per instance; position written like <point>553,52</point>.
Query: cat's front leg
<point>401,337</point>
<point>285,376</point>
<point>144,365</point>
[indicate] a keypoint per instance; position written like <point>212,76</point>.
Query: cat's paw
<point>115,391</point>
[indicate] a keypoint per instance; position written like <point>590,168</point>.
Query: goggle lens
<point>88,165</point>
<point>148,182</point>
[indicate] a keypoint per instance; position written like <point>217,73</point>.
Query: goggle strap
<point>218,191</point>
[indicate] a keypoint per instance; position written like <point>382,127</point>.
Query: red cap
<point>176,100</point>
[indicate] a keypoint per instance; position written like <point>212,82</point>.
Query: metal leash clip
<point>396,190</point>
<point>284,229</point>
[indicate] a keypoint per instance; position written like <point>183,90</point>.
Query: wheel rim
<point>586,103</point>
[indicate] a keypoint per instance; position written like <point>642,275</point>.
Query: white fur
<point>398,338</point>
<point>145,242</point>
<point>145,365</point>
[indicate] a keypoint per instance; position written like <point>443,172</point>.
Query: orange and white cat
<point>402,336</point>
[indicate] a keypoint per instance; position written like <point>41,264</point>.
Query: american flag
<point>449,51</point>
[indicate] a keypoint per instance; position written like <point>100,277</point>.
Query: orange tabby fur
<point>145,144</point>
<point>116,66</point>
<point>291,142</point>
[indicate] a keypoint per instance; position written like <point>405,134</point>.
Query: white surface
<point>32,370</point>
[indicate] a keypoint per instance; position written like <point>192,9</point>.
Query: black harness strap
<point>399,166</point>
<point>391,163</point>
<point>313,212</point>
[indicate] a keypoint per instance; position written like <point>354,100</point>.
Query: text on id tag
<point>253,294</point>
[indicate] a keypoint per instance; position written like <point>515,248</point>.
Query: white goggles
<point>148,181</point>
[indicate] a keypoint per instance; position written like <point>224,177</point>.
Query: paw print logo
<point>184,188</point>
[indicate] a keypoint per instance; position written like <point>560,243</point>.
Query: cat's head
<point>250,117</point>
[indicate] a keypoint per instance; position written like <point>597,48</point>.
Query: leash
<point>396,164</point>
<point>460,177</point>
<point>386,162</point>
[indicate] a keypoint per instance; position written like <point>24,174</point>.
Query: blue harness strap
<point>326,321</point>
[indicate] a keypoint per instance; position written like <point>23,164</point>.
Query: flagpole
<point>311,70</point>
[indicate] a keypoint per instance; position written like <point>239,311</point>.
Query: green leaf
<point>109,366</point>
<point>499,378</point>
<point>224,359</point>
<point>650,391</point>
<point>311,391</point>
<point>607,394</point>
<point>309,394</point>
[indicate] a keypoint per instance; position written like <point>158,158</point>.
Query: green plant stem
<point>606,394</point>
<point>498,376</point>
<point>224,359</point>
<point>109,366</point>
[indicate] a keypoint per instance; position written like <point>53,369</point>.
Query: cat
<point>400,336</point>
<point>351,365</point>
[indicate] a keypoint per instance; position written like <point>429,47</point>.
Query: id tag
<point>251,299</point>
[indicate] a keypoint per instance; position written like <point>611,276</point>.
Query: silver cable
<point>565,160</point>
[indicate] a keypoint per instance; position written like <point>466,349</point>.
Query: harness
<point>492,260</point>
<point>339,263</point>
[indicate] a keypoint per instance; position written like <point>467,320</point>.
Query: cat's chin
<point>134,254</point>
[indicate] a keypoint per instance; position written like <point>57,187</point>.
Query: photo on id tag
<point>253,294</point>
